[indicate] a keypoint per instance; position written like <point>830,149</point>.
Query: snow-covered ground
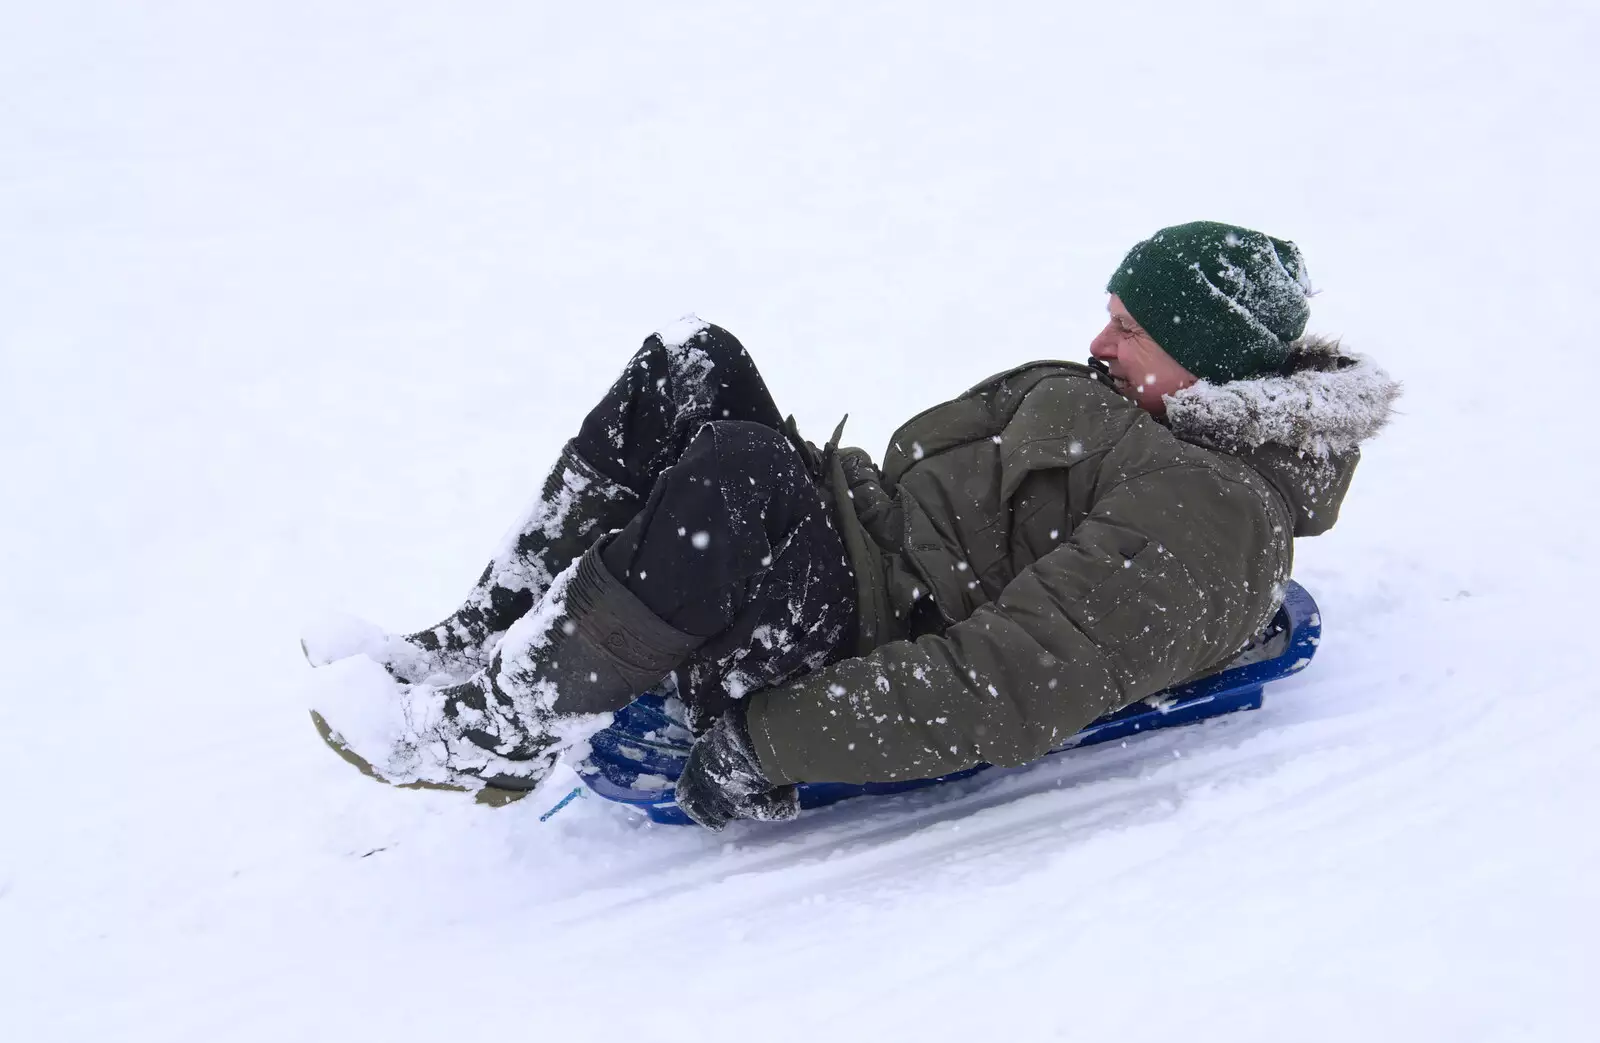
<point>298,299</point>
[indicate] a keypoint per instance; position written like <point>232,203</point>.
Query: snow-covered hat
<point>1224,301</point>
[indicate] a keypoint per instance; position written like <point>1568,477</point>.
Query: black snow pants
<point>735,542</point>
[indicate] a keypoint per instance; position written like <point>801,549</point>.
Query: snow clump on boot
<point>502,727</point>
<point>337,637</point>
<point>393,728</point>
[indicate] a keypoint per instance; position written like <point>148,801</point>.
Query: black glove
<point>722,779</point>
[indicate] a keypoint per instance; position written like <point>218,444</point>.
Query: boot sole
<point>492,796</point>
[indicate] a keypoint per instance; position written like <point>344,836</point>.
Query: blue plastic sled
<point>638,759</point>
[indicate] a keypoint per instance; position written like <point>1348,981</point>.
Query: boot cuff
<point>611,617</point>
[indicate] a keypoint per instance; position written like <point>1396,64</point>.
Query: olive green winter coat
<point>1040,551</point>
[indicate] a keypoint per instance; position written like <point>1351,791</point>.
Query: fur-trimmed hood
<point>1301,429</point>
<point>1329,401</point>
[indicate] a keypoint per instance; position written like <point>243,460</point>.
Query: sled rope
<point>577,791</point>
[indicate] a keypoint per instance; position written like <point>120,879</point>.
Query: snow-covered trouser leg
<point>736,543</point>
<point>575,506</point>
<point>673,384</point>
<point>669,388</point>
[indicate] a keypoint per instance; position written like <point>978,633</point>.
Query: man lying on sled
<point>1050,546</point>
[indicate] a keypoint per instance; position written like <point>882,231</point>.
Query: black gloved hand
<point>722,779</point>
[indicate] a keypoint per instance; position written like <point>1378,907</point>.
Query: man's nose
<point>1103,346</point>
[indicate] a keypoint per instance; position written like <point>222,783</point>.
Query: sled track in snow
<point>873,842</point>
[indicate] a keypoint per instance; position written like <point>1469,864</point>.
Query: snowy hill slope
<point>296,300</point>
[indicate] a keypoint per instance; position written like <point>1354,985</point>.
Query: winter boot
<point>560,671</point>
<point>577,505</point>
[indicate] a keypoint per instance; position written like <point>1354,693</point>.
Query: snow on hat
<point>1224,301</point>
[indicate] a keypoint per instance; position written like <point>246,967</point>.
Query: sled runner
<point>637,760</point>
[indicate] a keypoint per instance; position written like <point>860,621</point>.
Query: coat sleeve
<point>1172,572</point>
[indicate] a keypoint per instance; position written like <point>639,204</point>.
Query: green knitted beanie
<point>1224,301</point>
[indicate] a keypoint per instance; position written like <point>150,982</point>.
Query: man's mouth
<point>1120,384</point>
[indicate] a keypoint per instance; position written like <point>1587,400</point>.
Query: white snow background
<point>297,300</point>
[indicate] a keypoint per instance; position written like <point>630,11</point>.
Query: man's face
<point>1141,369</point>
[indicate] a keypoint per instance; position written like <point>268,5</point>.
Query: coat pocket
<point>1124,606</point>
<point>1143,621</point>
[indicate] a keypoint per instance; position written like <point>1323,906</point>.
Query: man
<point>1052,545</point>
